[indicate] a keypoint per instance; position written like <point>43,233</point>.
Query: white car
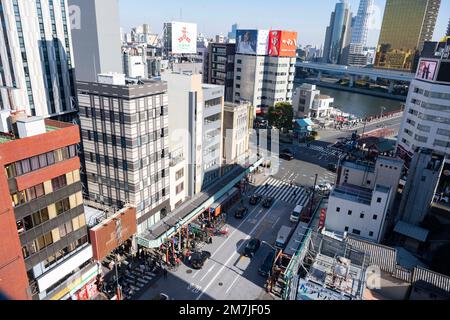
<point>324,187</point>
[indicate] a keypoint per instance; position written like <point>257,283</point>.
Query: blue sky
<point>308,17</point>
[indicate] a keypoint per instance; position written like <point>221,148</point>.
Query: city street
<point>331,135</point>
<point>228,275</point>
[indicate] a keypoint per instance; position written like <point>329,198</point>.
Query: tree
<point>281,116</point>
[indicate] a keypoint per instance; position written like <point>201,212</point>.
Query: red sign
<point>323,217</point>
<point>87,292</point>
<point>282,43</point>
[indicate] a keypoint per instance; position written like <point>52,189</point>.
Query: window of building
<point>379,200</point>
<point>350,212</point>
<point>179,174</point>
<point>59,182</point>
<point>362,215</point>
<point>371,234</point>
<point>375,217</point>
<point>357,232</point>
<point>180,188</point>
<point>338,209</point>
<point>62,206</point>
<point>346,229</point>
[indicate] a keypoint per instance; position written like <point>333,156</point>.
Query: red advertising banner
<point>282,43</point>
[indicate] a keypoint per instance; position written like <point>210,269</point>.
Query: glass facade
<point>407,24</point>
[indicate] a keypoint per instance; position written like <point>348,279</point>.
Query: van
<point>295,216</point>
<point>266,268</point>
<point>283,237</point>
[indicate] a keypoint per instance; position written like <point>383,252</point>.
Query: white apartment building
<point>359,211</point>
<point>385,171</point>
<point>36,58</point>
<point>134,66</point>
<point>263,80</point>
<point>195,126</point>
<point>236,132</point>
<point>309,103</point>
<point>426,123</point>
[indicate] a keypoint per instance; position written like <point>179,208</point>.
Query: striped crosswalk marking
<point>283,191</point>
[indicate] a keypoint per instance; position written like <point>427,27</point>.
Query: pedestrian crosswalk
<point>330,152</point>
<point>283,191</point>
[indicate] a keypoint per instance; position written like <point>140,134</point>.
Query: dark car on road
<point>288,151</point>
<point>198,259</point>
<point>267,203</point>
<point>287,156</point>
<point>252,247</point>
<point>241,213</point>
<point>266,268</point>
<point>255,199</point>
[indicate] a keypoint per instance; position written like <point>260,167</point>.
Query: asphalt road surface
<point>228,275</point>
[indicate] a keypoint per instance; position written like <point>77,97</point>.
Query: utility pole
<point>313,195</point>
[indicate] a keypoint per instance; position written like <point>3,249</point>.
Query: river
<point>359,104</point>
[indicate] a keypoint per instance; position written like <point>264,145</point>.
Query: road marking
<point>211,269</point>
<point>231,234</point>
<point>238,250</point>
<point>273,226</point>
<point>259,213</point>
<point>236,279</point>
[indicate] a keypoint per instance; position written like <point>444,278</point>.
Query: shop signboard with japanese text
<point>282,43</point>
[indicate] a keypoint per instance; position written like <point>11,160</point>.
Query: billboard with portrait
<point>282,43</point>
<point>426,70</point>
<point>184,38</point>
<point>253,42</point>
<point>247,41</point>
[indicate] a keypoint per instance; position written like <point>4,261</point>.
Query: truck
<point>283,237</point>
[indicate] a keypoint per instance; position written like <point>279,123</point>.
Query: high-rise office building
<point>43,231</point>
<point>221,67</point>
<point>338,35</point>
<point>264,68</point>
<point>196,131</point>
<point>36,61</point>
<point>426,123</point>
<point>124,127</point>
<point>360,30</point>
<point>96,39</point>
<point>407,24</point>
<point>232,34</point>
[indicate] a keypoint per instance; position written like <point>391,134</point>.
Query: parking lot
<point>228,274</point>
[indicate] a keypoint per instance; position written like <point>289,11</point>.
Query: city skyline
<point>311,30</point>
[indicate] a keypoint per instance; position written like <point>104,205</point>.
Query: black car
<point>287,156</point>
<point>255,199</point>
<point>266,269</point>
<point>251,247</point>
<point>240,213</point>
<point>267,203</point>
<point>198,259</point>
<point>289,151</point>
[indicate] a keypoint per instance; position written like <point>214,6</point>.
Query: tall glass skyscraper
<point>407,24</point>
<point>361,26</point>
<point>360,31</point>
<point>338,36</point>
